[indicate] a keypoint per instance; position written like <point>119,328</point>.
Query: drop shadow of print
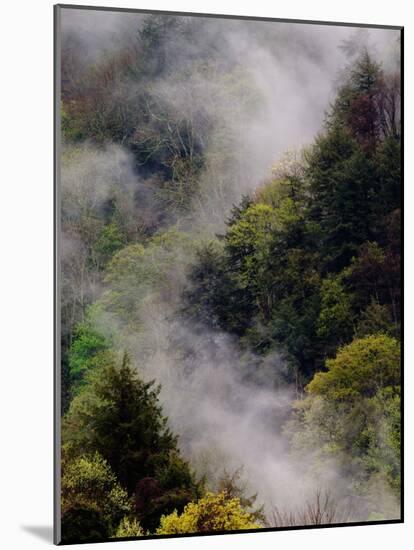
<point>42,532</point>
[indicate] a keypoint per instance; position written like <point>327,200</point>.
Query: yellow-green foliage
<point>254,226</point>
<point>273,192</point>
<point>336,313</point>
<point>137,274</point>
<point>129,528</point>
<point>360,369</point>
<point>89,482</point>
<point>250,239</point>
<point>214,512</point>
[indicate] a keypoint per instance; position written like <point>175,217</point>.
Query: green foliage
<point>351,415</point>
<point>361,368</point>
<point>233,487</point>
<point>109,242</point>
<point>356,106</point>
<point>388,163</point>
<point>117,415</point>
<point>211,513</point>
<point>274,272</point>
<point>335,322</point>
<point>375,274</point>
<point>83,525</point>
<point>137,274</point>
<point>288,181</point>
<point>247,245</point>
<point>376,318</point>
<point>308,261</point>
<point>313,428</point>
<point>249,235</point>
<point>341,181</point>
<point>129,528</point>
<point>360,438</point>
<point>126,274</point>
<point>214,296</point>
<point>70,129</point>
<point>382,437</point>
<point>307,254</point>
<point>84,353</point>
<point>88,482</point>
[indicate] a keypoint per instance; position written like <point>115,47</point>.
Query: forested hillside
<point>231,275</point>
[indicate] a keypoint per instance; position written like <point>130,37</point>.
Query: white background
<point>26,302</point>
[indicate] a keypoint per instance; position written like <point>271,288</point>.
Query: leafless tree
<point>322,509</point>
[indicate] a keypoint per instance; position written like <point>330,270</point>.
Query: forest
<point>230,298</point>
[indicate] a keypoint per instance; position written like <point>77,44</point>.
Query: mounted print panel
<point>228,274</point>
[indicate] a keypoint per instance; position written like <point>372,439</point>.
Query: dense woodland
<point>287,288</point>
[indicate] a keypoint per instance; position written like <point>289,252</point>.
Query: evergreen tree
<point>117,415</point>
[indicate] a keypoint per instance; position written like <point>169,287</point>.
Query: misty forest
<point>230,274</point>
